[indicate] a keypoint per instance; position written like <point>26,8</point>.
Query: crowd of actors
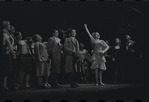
<point>42,64</point>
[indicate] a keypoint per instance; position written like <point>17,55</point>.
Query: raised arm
<point>92,39</point>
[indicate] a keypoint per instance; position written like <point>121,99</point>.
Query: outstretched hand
<point>85,25</point>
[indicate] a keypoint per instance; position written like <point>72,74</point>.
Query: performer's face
<point>12,29</point>
<point>56,33</point>
<point>39,38</point>
<point>97,36</point>
<point>73,33</point>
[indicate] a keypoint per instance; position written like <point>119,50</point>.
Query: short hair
<point>35,37</point>
<point>94,34</point>
<point>71,31</point>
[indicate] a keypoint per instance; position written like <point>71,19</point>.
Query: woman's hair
<point>35,37</point>
<point>17,34</point>
<point>29,39</point>
<point>6,23</point>
<point>94,34</point>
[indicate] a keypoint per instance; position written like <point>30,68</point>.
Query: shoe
<point>102,84</point>
<point>48,84</point>
<point>58,85</point>
<point>27,86</point>
<point>96,85</point>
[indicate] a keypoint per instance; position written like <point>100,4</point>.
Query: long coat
<point>71,52</point>
<point>54,50</point>
<point>41,53</point>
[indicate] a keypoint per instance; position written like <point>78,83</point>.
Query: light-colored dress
<point>98,59</point>
<point>42,68</point>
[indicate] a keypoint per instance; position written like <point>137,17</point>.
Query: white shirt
<point>57,39</point>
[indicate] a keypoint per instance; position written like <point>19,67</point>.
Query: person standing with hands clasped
<point>71,47</point>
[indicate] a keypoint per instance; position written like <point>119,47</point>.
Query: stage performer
<point>98,59</point>
<point>118,59</point>
<point>55,52</point>
<point>42,58</point>
<point>71,46</point>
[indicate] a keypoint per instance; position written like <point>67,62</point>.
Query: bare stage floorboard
<point>89,92</point>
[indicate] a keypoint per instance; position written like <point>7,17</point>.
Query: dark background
<point>105,17</point>
<point>110,19</point>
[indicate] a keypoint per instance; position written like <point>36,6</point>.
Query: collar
<point>57,39</point>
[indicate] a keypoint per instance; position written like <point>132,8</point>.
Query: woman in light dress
<point>42,64</point>
<point>98,59</point>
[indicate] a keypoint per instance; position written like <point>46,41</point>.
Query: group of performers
<point>43,60</point>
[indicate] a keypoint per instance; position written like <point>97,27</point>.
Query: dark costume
<point>71,47</point>
<point>54,50</point>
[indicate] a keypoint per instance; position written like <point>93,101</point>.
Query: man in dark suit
<point>71,47</point>
<point>55,51</point>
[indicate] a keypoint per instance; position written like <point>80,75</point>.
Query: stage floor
<point>89,92</point>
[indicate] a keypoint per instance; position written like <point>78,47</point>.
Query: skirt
<point>98,64</point>
<point>42,69</point>
<point>25,62</point>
